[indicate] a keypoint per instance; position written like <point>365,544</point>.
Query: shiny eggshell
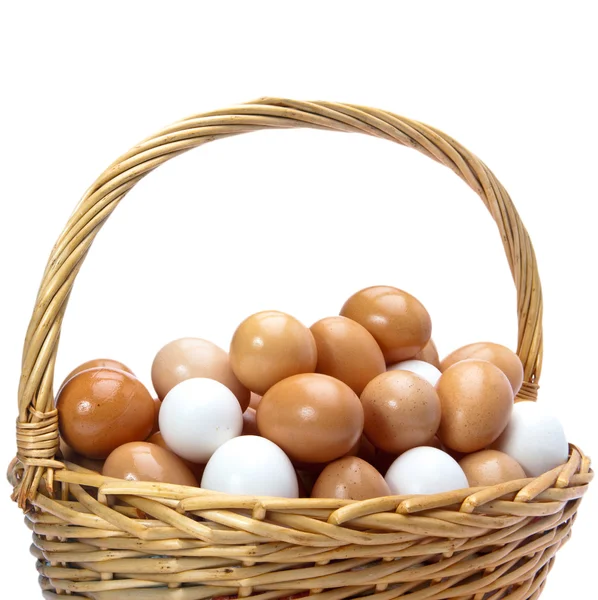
<point>398,321</point>
<point>490,467</point>
<point>476,400</point>
<point>143,461</point>
<point>420,367</point>
<point>270,346</point>
<point>425,470</point>
<point>350,478</point>
<point>189,358</point>
<point>251,465</point>
<point>250,422</point>
<point>429,354</point>
<point>314,418</point>
<point>347,351</point>
<point>506,360</point>
<point>106,363</point>
<point>535,438</point>
<point>101,409</point>
<point>402,411</point>
<point>195,468</point>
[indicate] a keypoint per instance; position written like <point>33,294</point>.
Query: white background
<point>299,220</point>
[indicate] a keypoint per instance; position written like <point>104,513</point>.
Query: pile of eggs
<point>357,406</point>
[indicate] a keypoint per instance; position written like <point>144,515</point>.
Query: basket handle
<point>37,429</point>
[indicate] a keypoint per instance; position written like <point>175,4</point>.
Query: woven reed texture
<point>109,539</point>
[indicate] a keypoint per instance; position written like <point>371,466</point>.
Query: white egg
<point>425,470</point>
<point>425,370</point>
<point>534,438</point>
<point>251,465</point>
<point>197,416</point>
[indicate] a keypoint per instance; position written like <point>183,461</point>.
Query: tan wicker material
<point>109,539</point>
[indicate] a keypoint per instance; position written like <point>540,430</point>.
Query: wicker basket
<point>109,539</point>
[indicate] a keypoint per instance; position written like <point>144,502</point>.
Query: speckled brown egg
<point>195,468</point>
<point>490,467</point>
<point>101,409</point>
<point>106,363</point>
<point>506,360</point>
<point>314,418</point>
<point>143,461</point>
<point>429,354</point>
<point>347,351</point>
<point>350,478</point>
<point>188,358</point>
<point>398,321</point>
<point>270,346</point>
<point>402,411</point>
<point>476,400</point>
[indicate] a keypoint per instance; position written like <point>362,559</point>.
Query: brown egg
<point>250,422</point>
<point>402,411</point>
<point>157,405</point>
<point>398,321</point>
<point>196,469</point>
<point>490,467</point>
<point>506,360</point>
<point>106,363</point>
<point>314,418</point>
<point>270,346</point>
<point>70,455</point>
<point>143,461</point>
<point>347,351</point>
<point>350,478</point>
<point>254,400</point>
<point>193,357</point>
<point>476,400</point>
<point>429,354</point>
<point>101,409</point>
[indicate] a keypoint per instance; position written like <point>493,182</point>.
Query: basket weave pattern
<point>110,539</point>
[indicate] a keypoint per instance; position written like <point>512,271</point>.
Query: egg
<point>476,400</point>
<point>490,467</point>
<point>347,351</point>
<point>106,363</point>
<point>250,422</point>
<point>270,346</point>
<point>401,409</point>
<point>350,478</point>
<point>429,372</point>
<point>100,409</point>
<point>314,418</point>
<point>251,465</point>
<point>534,438</point>
<point>196,468</point>
<point>197,416</point>
<point>425,470</point>
<point>190,358</point>
<point>398,321</point>
<point>142,461</point>
<point>429,354</point>
<point>506,360</point>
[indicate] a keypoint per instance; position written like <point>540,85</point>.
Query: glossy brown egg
<point>195,468</point>
<point>402,411</point>
<point>143,461</point>
<point>476,400</point>
<point>350,478</point>
<point>429,354</point>
<point>398,321</point>
<point>347,351</point>
<point>270,346</point>
<point>490,467</point>
<point>254,400</point>
<point>250,422</point>
<point>70,455</point>
<point>188,358</point>
<point>106,363</point>
<point>101,409</point>
<point>314,418</point>
<point>506,360</point>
